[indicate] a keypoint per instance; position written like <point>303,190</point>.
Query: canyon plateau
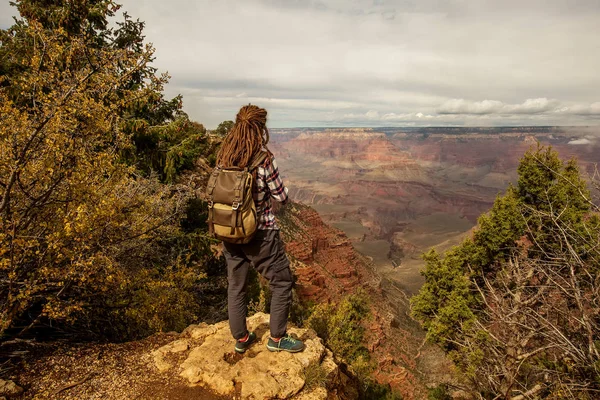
<point>397,192</point>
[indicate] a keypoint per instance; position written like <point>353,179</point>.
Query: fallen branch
<point>72,385</point>
<point>536,389</point>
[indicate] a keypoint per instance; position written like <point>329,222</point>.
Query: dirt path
<point>61,371</point>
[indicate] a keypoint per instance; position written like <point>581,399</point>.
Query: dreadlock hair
<point>247,137</point>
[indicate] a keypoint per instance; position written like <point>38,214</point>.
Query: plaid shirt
<point>268,185</point>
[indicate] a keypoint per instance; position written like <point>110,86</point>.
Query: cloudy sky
<point>379,62</point>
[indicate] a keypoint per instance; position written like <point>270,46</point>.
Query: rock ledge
<point>204,355</point>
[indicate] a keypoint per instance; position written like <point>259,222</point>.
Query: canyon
<point>397,192</point>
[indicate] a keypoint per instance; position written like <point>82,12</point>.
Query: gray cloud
<point>381,62</point>
<point>530,106</point>
<point>333,63</point>
<point>582,109</point>
<point>6,14</point>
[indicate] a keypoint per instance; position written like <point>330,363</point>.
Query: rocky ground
<point>61,371</point>
<point>199,363</point>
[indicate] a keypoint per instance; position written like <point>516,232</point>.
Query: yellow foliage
<point>78,228</point>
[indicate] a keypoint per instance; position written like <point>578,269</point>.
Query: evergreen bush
<point>516,305</point>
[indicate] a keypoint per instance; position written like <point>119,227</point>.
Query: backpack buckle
<point>235,205</point>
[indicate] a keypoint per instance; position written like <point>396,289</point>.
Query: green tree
<point>147,119</point>
<point>224,128</point>
<point>341,327</point>
<point>502,302</point>
<point>82,18</point>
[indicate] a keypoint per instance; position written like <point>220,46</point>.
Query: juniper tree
<point>516,305</point>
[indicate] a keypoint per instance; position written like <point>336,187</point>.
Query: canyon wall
<point>414,188</point>
<point>327,268</point>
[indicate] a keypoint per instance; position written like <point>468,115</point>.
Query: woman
<point>248,137</point>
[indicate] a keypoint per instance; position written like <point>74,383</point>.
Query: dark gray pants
<point>266,253</point>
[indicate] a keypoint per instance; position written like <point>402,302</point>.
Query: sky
<point>378,62</point>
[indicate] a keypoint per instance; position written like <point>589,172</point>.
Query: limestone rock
<point>9,389</point>
<point>330,367</point>
<point>258,373</point>
<point>199,332</point>
<point>316,394</point>
<point>177,346</point>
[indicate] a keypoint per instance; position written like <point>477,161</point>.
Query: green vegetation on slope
<point>341,328</point>
<point>517,305</point>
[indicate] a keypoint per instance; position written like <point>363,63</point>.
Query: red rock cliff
<point>328,268</point>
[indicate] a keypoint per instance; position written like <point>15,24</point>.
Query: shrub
<point>86,240</point>
<point>516,306</point>
<point>439,392</point>
<point>314,376</point>
<point>340,326</point>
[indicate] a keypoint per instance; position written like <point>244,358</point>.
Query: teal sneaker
<point>241,347</point>
<point>286,343</point>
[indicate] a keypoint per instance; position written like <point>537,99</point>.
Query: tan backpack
<point>231,210</point>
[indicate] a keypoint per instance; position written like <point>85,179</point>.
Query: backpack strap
<point>258,159</point>
<point>237,199</point>
<point>210,188</point>
<point>234,215</point>
<point>211,224</point>
<point>238,188</point>
<point>212,182</point>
